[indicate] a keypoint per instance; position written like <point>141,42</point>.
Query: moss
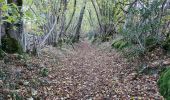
<point>11,45</point>
<point>164,84</point>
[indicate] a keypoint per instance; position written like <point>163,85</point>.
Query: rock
<point>30,98</point>
<point>166,62</point>
<point>9,97</point>
<point>41,65</point>
<point>26,83</point>
<point>29,66</point>
<point>156,63</point>
<point>132,76</point>
<point>33,92</point>
<point>20,83</point>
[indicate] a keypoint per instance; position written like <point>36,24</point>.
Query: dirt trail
<point>90,73</point>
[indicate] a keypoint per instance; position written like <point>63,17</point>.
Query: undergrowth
<point>164,84</point>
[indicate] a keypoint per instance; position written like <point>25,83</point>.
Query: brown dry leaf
<point>88,72</point>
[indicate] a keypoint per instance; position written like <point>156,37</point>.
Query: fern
<point>120,44</point>
<point>164,84</point>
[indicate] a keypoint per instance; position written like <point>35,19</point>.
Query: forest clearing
<point>84,49</point>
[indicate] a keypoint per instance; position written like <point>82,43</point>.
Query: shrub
<point>133,51</point>
<point>119,44</point>
<point>142,29</point>
<point>44,72</point>
<point>164,84</point>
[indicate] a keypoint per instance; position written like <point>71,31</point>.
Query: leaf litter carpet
<point>90,73</point>
<point>86,73</point>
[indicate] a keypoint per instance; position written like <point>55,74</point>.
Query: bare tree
<point>77,34</point>
<point>97,14</point>
<point>0,24</point>
<point>63,18</point>
<point>71,16</point>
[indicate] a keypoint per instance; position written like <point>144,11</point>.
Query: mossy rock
<point>164,84</point>
<point>11,45</point>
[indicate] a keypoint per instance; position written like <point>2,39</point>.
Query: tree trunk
<point>71,16</point>
<point>77,34</point>
<point>0,24</point>
<point>97,14</point>
<point>17,34</point>
<point>63,18</point>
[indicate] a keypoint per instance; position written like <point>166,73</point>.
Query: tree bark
<point>0,24</point>
<point>46,37</point>
<point>77,34</point>
<point>71,16</point>
<point>97,14</point>
<point>19,26</point>
<point>63,18</point>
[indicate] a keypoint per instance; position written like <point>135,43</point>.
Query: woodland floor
<point>86,73</point>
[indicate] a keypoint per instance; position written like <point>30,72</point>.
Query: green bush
<point>44,72</point>
<point>133,51</point>
<point>150,41</point>
<point>164,84</point>
<point>141,27</point>
<point>10,45</point>
<point>119,44</point>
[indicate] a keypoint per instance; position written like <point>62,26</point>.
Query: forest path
<point>90,73</point>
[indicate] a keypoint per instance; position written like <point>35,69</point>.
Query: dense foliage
<point>164,84</point>
<point>143,27</point>
<point>135,26</point>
